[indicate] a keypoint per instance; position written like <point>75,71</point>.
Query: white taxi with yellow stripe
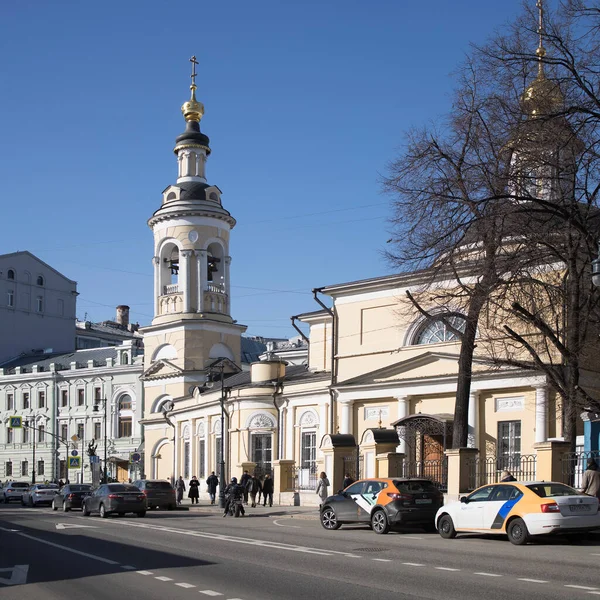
<point>520,510</point>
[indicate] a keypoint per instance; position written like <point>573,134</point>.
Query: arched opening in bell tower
<point>216,266</point>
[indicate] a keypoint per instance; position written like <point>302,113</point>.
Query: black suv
<point>159,493</point>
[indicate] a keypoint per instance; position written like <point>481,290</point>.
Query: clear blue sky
<point>305,103</point>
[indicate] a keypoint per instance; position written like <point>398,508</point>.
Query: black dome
<point>193,191</point>
<point>192,135</point>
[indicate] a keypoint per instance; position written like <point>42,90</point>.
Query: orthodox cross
<point>540,7</point>
<point>194,63</point>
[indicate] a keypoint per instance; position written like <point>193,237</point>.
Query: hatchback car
<point>13,490</point>
<point>520,510</point>
<point>159,493</point>
<point>71,496</point>
<point>384,504</point>
<point>119,498</point>
<point>38,494</point>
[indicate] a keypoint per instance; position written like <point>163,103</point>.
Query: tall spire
<point>192,109</point>
<point>541,51</point>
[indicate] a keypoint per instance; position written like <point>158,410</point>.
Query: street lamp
<point>596,269</point>
<point>33,430</point>
<point>97,409</point>
<point>166,408</point>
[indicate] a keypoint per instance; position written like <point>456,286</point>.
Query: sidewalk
<point>294,512</point>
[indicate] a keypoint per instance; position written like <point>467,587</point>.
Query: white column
<point>323,420</point>
<point>227,262</point>
<point>346,417</point>
<point>289,433</point>
<point>403,409</point>
<point>184,278</point>
<point>541,414</point>
<point>202,277</point>
<point>473,419</point>
<point>157,290</point>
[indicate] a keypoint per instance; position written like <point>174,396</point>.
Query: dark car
<point>71,496</point>
<point>384,504</point>
<point>159,493</point>
<point>119,498</point>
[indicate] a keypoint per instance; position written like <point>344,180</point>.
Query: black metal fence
<point>574,465</point>
<point>489,469</point>
<point>303,478</point>
<point>434,470</point>
<point>353,466</point>
<point>262,469</point>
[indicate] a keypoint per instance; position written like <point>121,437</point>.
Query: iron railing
<point>488,469</point>
<point>353,466</point>
<point>574,465</point>
<point>304,477</point>
<point>435,470</point>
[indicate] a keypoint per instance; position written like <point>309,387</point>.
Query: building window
<point>8,469</point>
<point>41,399</point>
<point>124,358</point>
<point>80,397</point>
<point>24,467</point>
<point>39,305</point>
<point>26,435</point>
<point>40,280</point>
<point>186,460</point>
<point>10,402</point>
<point>434,332</point>
<point>40,469</point>
<point>80,431</point>
<point>125,427</point>
<point>64,397</point>
<point>25,399</point>
<point>64,431</point>
<point>10,300</point>
<point>218,451</point>
<point>10,274</point>
<point>262,449</point>
<point>509,445</point>
<point>309,450</point>
<point>9,435</point>
<point>97,431</point>
<point>125,402</point>
<point>41,433</point>
<point>201,458</point>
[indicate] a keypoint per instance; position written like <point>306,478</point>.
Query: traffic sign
<point>135,457</point>
<point>16,422</point>
<point>94,459</point>
<point>74,438</point>
<point>74,453</point>
<point>74,462</point>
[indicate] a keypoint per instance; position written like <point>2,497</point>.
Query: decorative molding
<point>309,419</point>
<point>186,433</point>
<point>376,413</point>
<point>217,427</point>
<point>201,429</point>
<point>261,420</point>
<point>510,404</point>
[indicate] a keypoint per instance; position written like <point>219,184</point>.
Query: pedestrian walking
<point>212,482</point>
<point>322,487</point>
<point>507,476</point>
<point>347,481</point>
<point>194,492</point>
<point>244,479</point>
<point>590,484</point>
<point>267,490</point>
<point>254,487</point>
<point>180,487</point>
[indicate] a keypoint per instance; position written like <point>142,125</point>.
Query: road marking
<point>185,585</point>
<point>163,578</point>
<point>488,574</point>
<point>72,550</point>
<point>128,568</point>
<point>445,569</point>
<point>596,593</point>
<point>4,529</point>
<point>74,526</point>
<point>210,593</point>
<point>145,572</point>
<point>411,537</point>
<point>581,587</point>
<point>280,525</point>
<point>353,556</point>
<point>532,580</point>
<point>414,564</point>
<point>18,575</point>
<point>383,559</point>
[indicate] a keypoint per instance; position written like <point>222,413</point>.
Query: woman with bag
<point>322,487</point>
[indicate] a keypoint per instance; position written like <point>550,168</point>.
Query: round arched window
<point>40,280</point>
<point>10,274</point>
<point>125,402</point>
<point>434,332</point>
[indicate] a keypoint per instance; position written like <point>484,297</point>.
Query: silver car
<point>39,493</point>
<point>13,490</point>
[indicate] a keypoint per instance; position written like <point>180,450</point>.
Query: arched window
<point>125,402</point>
<point>10,274</point>
<point>434,332</point>
<point>40,280</point>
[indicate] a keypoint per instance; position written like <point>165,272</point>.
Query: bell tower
<point>192,322</point>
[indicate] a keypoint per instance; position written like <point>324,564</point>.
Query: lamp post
<point>97,409</point>
<point>596,269</point>
<point>33,430</point>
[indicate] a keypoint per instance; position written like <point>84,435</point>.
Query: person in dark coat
<point>590,483</point>
<point>347,481</point>
<point>180,487</point>
<point>212,482</point>
<point>254,487</point>
<point>267,490</point>
<point>507,476</point>
<point>244,479</point>
<point>194,492</point>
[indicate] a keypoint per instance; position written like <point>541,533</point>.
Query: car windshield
<point>80,488</point>
<point>551,490</point>
<point>19,484</point>
<point>158,485</point>
<point>409,487</point>
<point>122,487</point>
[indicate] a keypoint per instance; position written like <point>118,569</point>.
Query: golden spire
<point>541,51</point>
<point>192,109</point>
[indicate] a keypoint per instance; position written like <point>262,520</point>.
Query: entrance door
<point>262,448</point>
<point>122,471</point>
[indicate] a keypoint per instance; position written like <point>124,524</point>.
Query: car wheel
<point>141,513</point>
<point>329,519</point>
<point>66,507</point>
<point>84,511</point>
<point>23,502</point>
<point>103,513</point>
<point>446,527</point>
<point>5,500</point>
<point>517,532</point>
<point>54,507</point>
<point>31,502</point>
<point>379,522</point>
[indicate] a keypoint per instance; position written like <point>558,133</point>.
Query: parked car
<point>71,496</point>
<point>119,498</point>
<point>159,493</point>
<point>520,510</point>
<point>13,490</point>
<point>384,504</point>
<point>39,493</point>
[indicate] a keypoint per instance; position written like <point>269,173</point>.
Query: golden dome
<point>192,109</point>
<point>543,96</point>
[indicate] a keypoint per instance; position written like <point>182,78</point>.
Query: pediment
<point>160,369</point>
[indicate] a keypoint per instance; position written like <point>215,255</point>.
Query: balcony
<point>217,288</point>
<point>172,288</point>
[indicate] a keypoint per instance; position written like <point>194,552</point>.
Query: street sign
<point>135,457</point>
<point>74,438</point>
<point>74,462</point>
<point>74,453</point>
<point>16,422</point>
<point>94,459</point>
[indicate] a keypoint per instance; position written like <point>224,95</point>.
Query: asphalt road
<point>261,557</point>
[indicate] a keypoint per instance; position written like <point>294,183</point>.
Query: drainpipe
<point>331,311</point>
<point>303,336</point>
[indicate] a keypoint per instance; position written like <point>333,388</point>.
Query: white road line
<point>445,569</point>
<point>280,525</point>
<point>12,530</point>
<point>581,587</point>
<point>596,593</point>
<point>185,585</point>
<point>532,580</point>
<point>353,556</point>
<point>414,564</point>
<point>72,550</point>
<point>163,578</point>
<point>145,572</point>
<point>488,574</point>
<point>210,593</point>
<point>128,567</point>
<point>411,537</point>
<point>383,559</point>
